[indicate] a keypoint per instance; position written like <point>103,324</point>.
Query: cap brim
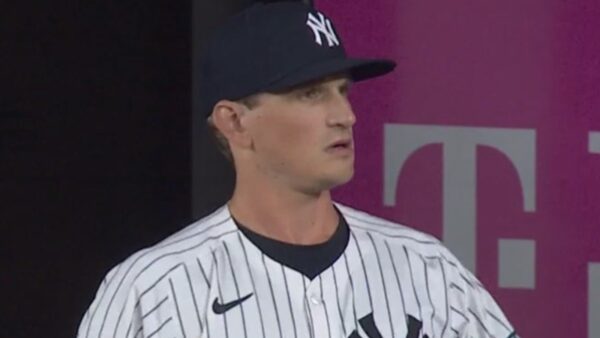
<point>357,70</point>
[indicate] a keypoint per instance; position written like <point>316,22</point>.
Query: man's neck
<point>288,216</point>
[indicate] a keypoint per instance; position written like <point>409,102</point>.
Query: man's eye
<point>311,93</point>
<point>345,90</point>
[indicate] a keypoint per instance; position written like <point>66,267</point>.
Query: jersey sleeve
<point>113,312</point>
<point>474,306</point>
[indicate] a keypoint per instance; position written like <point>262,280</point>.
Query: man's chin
<point>337,180</point>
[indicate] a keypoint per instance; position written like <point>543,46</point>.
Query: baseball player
<point>281,259</point>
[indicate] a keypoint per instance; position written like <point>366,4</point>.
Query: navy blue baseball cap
<point>272,47</point>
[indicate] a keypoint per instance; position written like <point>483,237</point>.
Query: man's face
<point>303,137</point>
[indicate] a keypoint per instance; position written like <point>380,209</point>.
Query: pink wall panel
<point>488,136</point>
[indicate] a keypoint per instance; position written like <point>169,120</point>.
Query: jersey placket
<point>318,310</point>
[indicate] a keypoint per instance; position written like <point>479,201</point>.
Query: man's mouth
<point>342,146</point>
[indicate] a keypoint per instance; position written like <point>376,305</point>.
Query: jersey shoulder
<point>117,307</point>
<point>395,234</point>
<point>477,312</point>
<point>193,242</point>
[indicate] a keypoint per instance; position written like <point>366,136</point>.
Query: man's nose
<point>341,113</point>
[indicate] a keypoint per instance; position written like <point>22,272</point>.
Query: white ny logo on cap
<point>322,25</point>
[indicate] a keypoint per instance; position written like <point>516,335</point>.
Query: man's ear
<point>227,116</point>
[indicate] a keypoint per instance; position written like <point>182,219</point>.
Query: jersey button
<point>315,300</point>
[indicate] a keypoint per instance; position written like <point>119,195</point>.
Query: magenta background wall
<point>506,96</point>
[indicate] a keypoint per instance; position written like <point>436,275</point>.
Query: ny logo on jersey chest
<point>367,323</point>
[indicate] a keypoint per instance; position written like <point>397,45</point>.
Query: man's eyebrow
<point>310,84</point>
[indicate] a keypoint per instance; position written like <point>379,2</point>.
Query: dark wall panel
<point>99,145</point>
<point>94,149</point>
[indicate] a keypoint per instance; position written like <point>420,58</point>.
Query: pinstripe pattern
<point>387,274</point>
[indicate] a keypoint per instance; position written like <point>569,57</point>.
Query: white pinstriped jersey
<point>208,280</point>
